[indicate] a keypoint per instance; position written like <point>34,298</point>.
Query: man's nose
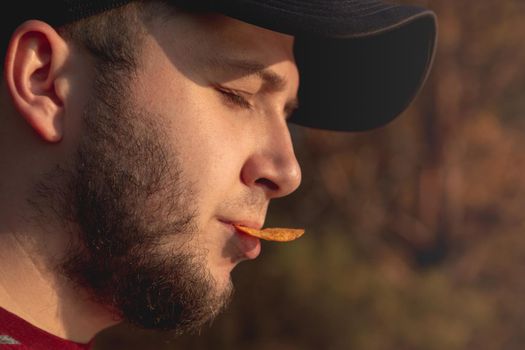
<point>273,165</point>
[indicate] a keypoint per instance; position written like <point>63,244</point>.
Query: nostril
<point>267,183</point>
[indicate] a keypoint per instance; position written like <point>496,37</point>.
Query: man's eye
<point>234,98</point>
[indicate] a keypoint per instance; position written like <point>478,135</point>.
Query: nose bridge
<point>281,165</point>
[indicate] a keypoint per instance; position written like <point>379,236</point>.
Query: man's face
<point>194,141</point>
<point>225,119</point>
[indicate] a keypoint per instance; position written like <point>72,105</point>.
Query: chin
<point>223,281</point>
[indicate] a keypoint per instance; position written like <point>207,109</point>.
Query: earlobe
<point>35,59</point>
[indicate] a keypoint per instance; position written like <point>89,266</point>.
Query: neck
<point>31,288</point>
<point>30,285</point>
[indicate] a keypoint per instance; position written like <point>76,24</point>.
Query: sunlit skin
<point>226,120</point>
<point>238,157</point>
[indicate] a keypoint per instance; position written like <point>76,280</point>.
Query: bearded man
<point>135,135</point>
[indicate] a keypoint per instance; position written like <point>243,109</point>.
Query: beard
<point>131,218</point>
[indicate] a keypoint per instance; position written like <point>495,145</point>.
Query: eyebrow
<point>273,82</point>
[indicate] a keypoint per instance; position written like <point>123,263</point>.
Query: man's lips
<point>249,247</point>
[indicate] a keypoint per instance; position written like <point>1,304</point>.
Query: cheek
<point>210,150</point>
<point>203,133</point>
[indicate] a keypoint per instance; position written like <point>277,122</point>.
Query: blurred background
<point>415,232</point>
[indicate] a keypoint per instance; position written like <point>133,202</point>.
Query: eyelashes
<point>234,98</point>
<point>242,100</point>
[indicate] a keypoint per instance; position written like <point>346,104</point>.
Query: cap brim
<point>361,62</point>
<point>361,83</point>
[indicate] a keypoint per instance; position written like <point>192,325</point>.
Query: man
<point>135,134</point>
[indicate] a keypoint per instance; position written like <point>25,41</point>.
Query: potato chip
<point>272,234</point>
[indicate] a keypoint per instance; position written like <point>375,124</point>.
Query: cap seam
<point>326,12</point>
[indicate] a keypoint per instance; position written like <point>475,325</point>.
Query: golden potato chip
<point>273,234</point>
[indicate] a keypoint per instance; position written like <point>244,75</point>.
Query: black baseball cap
<point>361,62</point>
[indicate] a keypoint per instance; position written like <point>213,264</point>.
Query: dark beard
<point>126,202</point>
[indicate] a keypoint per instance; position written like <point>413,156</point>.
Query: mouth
<point>248,247</point>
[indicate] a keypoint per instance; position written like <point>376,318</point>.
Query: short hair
<point>112,38</point>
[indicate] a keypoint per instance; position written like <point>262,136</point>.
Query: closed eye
<point>232,97</point>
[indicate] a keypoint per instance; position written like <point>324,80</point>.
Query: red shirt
<point>17,334</point>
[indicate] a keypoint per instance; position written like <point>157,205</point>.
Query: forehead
<point>194,40</point>
<point>232,34</point>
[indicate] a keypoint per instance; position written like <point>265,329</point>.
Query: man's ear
<point>34,64</point>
